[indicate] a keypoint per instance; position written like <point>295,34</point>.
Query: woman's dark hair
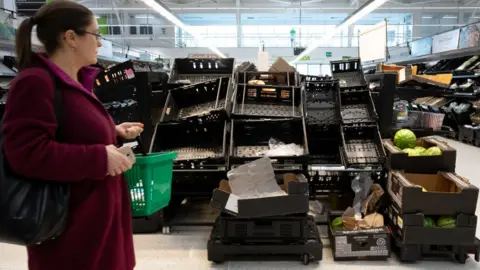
<point>51,20</point>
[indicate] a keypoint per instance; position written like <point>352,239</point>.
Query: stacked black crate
<point>320,98</point>
<point>194,123</point>
<point>267,108</point>
<point>432,210</point>
<point>361,150</point>
<point>130,95</point>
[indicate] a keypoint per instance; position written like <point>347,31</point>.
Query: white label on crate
<point>232,203</point>
<point>400,222</point>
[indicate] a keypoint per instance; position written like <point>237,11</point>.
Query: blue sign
<point>422,46</point>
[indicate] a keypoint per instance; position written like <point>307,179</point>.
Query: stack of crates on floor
<point>266,106</point>
<point>276,226</point>
<point>320,100</point>
<point>194,123</point>
<point>360,150</point>
<point>432,210</point>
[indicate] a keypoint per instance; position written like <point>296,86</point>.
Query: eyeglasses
<point>98,36</point>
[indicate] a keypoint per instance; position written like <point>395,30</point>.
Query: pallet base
<point>413,253</point>
<point>309,251</point>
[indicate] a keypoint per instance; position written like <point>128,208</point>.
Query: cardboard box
<point>398,160</point>
<point>447,194</point>
<point>372,244</point>
<point>296,202</point>
<point>409,229</point>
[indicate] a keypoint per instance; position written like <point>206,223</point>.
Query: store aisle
<point>186,247</point>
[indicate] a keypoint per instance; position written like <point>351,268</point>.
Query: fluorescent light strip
<point>450,17</point>
<point>427,17</point>
<point>357,15</point>
<point>173,19</point>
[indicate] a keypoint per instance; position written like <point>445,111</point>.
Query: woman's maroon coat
<point>99,232</point>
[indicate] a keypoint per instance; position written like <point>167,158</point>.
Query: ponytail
<point>23,43</point>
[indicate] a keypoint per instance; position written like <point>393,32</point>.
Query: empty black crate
<point>409,228</point>
<point>371,244</point>
<point>362,146</point>
<point>357,107</point>
<point>249,138</point>
<point>349,73</point>
<point>320,102</point>
<point>311,78</point>
<point>324,144</point>
<point>199,147</point>
<point>201,102</point>
<point>268,78</point>
<point>123,111</point>
<point>280,229</point>
<point>192,71</point>
<point>257,101</point>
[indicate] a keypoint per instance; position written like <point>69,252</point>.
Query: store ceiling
<point>180,6</point>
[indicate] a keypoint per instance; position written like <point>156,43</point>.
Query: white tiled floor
<point>186,247</point>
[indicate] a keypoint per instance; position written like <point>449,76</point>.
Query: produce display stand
<point>334,120</point>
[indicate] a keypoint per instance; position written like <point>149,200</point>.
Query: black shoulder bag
<point>32,211</point>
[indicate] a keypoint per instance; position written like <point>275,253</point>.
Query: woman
<point>98,234</point>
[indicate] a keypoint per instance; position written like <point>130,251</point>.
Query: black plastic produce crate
<point>268,78</point>
<point>476,142</point>
<point>409,228</point>
<point>349,73</point>
<point>320,102</point>
<point>123,111</point>
<point>418,252</point>
<point>311,78</point>
<point>248,138</point>
<point>466,134</point>
<point>369,244</point>
<point>455,194</point>
<point>278,229</point>
<point>324,144</point>
<point>256,101</point>
<point>357,107</point>
<point>193,71</point>
<point>196,182</point>
<point>308,248</point>
<point>199,147</point>
<point>362,146</point>
<point>201,102</point>
<point>114,77</point>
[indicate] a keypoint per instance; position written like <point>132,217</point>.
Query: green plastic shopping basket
<point>150,183</point>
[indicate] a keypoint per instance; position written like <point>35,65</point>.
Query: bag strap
<point>57,106</point>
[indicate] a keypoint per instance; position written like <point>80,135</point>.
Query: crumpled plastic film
<point>279,148</point>
<point>361,185</point>
<point>254,180</point>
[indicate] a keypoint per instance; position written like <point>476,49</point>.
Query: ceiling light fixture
<point>450,17</point>
<point>354,17</point>
<point>173,19</point>
<point>427,17</point>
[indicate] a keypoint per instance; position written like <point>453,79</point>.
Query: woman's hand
<point>129,131</point>
<point>118,163</point>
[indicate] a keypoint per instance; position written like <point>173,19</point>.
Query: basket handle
<point>141,145</point>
